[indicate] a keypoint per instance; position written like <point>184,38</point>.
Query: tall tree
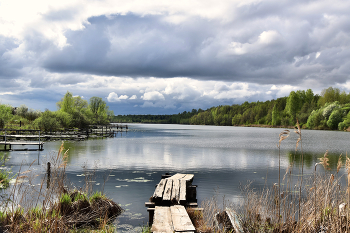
<point>67,104</point>
<point>329,95</point>
<point>293,106</point>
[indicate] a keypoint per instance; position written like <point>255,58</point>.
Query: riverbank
<point>54,204</point>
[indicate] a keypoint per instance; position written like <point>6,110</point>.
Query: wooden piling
<point>48,174</point>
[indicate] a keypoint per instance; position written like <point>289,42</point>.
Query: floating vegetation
<point>138,179</point>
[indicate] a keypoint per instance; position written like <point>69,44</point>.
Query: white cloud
<point>153,95</point>
<point>123,97</point>
<point>134,97</point>
<point>113,97</point>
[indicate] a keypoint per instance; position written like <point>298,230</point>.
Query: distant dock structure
<point>10,139</point>
<point>8,144</point>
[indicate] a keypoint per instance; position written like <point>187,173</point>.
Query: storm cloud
<point>143,56</point>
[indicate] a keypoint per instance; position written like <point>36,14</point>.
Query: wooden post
<point>39,139</point>
<point>48,174</point>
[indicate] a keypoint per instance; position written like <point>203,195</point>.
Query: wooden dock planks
<point>175,194</point>
<point>183,187</point>
<point>173,189</point>
<point>167,190</point>
<point>181,220</point>
<point>162,220</point>
<point>171,219</point>
<point>158,193</point>
<point>167,211</point>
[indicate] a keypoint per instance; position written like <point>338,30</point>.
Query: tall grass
<point>53,205</point>
<point>316,203</point>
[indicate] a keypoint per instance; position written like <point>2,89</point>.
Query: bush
<point>334,119</point>
<point>47,122</point>
<point>315,119</point>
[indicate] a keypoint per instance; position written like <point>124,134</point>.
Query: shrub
<point>334,119</point>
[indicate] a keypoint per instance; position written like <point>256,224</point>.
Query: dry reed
<point>56,207</point>
<point>323,199</point>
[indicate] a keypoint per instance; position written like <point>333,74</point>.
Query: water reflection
<point>129,166</point>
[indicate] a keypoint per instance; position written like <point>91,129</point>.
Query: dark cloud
<point>275,51</point>
<point>9,65</point>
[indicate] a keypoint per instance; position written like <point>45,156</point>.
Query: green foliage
<point>329,95</point>
<point>5,114</point>
<point>334,119</point>
<point>65,199</point>
<point>275,116</point>
<point>80,196</point>
<point>22,110</point>
<point>67,104</point>
<point>47,121</point>
<point>315,119</point>
<point>5,177</point>
<point>96,195</point>
<point>329,108</point>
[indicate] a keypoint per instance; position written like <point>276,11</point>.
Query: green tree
<point>67,104</point>
<point>47,121</point>
<point>329,95</point>
<point>99,109</point>
<point>22,110</point>
<point>293,106</point>
<point>276,120</point>
<point>334,119</point>
<point>5,114</point>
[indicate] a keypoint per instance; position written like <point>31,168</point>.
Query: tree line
<point>73,112</point>
<point>330,110</point>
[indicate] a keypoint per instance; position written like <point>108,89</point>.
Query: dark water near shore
<point>129,166</point>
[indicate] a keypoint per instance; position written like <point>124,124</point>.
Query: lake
<point>129,166</point>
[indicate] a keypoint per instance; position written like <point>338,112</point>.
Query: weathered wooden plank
<point>175,194</point>
<point>180,219</point>
<point>150,204</point>
<point>162,220</point>
<point>237,226</point>
<point>182,190</point>
<point>167,190</point>
<point>177,176</point>
<point>158,193</point>
<point>188,177</point>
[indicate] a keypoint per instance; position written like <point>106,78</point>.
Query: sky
<point>166,57</point>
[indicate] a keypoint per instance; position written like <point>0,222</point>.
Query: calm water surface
<point>129,166</point>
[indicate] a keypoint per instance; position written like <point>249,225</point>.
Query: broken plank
<point>175,194</point>
<point>181,220</point>
<point>234,219</point>
<point>162,220</point>
<point>158,193</point>
<point>167,190</point>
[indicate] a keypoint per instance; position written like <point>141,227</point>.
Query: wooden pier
<point>8,146</point>
<point>93,131</point>
<point>166,208</point>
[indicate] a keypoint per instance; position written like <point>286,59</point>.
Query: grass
<point>56,207</point>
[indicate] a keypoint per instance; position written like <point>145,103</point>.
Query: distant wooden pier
<point>8,146</point>
<point>93,131</point>
<point>166,207</point>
